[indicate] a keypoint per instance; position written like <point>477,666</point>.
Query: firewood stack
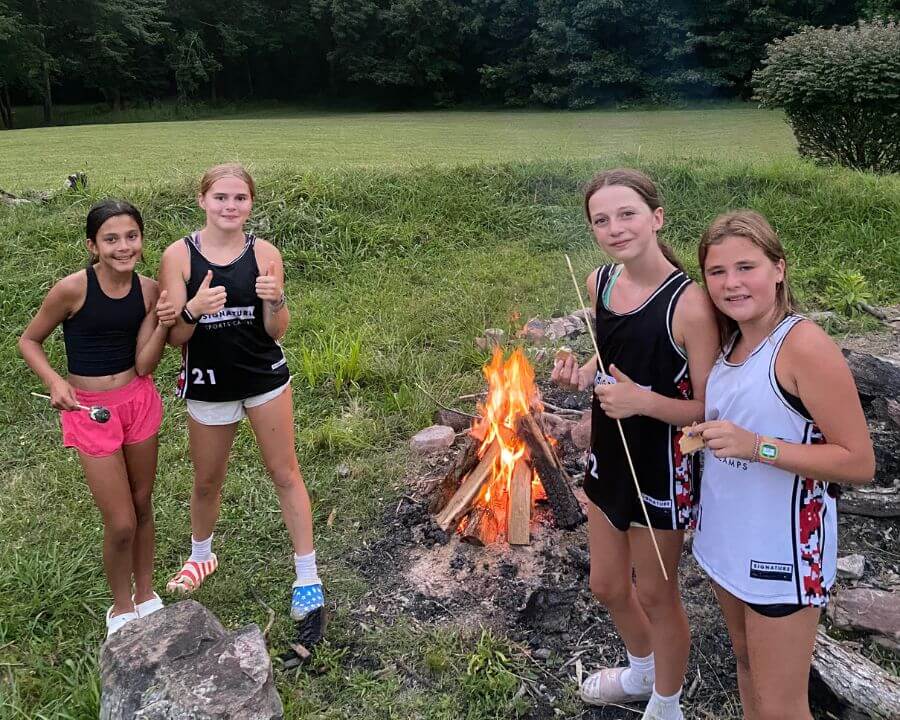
<point>459,500</point>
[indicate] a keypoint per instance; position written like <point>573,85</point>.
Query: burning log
<point>481,527</point>
<point>465,462</point>
<point>466,494</point>
<point>554,478</point>
<point>518,517</point>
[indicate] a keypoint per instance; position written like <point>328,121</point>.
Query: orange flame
<point>511,394</point>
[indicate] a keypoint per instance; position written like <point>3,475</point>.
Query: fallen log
<point>855,681</point>
<point>465,462</point>
<point>871,502</point>
<point>554,478</point>
<point>481,527</point>
<point>518,516</point>
<point>456,419</point>
<point>462,499</point>
<point>875,376</point>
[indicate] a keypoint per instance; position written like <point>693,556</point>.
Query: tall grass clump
<point>390,276</point>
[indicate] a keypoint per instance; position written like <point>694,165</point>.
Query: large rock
<point>581,433</point>
<point>181,664</point>
<point>865,609</point>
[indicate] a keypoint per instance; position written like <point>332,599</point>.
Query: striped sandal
<point>192,575</point>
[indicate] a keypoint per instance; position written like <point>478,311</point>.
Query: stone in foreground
<point>851,567</point>
<point>432,439</point>
<point>180,663</point>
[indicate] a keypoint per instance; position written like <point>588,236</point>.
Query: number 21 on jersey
<point>201,377</point>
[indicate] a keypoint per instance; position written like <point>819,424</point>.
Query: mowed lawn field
<point>392,270</point>
<point>137,153</point>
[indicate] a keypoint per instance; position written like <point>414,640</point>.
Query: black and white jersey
<point>640,344</point>
<point>767,536</point>
<point>230,356</point>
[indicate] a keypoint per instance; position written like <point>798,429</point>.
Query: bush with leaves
<point>840,89</point>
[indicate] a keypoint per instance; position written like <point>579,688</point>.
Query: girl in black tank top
<point>229,287</point>
<point>657,337</point>
<point>114,327</point>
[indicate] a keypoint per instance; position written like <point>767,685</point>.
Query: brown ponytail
<point>643,186</point>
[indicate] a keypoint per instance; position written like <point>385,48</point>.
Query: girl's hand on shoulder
<point>727,440</point>
<point>622,399</point>
<point>269,286</point>
<point>62,396</point>
<point>165,310</point>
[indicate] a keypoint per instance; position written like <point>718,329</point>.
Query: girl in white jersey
<point>784,423</point>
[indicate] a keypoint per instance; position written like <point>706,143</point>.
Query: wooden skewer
<point>619,424</point>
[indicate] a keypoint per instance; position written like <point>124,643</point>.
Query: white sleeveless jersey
<point>766,535</point>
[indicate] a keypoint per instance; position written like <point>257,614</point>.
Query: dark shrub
<point>840,89</point>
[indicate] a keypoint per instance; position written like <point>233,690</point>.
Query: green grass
<point>390,276</point>
<point>274,140</point>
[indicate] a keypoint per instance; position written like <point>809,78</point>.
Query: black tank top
<point>640,344</point>
<point>230,356</point>
<point>101,338</point>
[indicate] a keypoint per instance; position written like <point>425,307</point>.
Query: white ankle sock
<point>663,707</point>
<point>305,565</point>
<point>639,676</point>
<point>201,550</point>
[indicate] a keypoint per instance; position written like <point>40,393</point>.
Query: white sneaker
<point>114,623</point>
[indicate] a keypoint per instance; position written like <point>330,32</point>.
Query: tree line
<point>395,53</point>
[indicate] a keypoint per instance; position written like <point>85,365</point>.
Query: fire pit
<point>508,463</point>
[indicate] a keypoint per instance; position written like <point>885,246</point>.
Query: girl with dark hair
<point>785,423</point>
<point>114,326</point>
<point>229,288</point>
<point>657,336</point>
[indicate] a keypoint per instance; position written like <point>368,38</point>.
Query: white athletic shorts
<point>229,411</point>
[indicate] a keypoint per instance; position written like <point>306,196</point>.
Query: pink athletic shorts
<point>135,415</point>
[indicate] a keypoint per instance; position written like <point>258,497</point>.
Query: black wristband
<point>187,317</point>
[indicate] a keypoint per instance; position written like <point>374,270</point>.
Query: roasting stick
<point>97,413</point>
<point>619,423</point>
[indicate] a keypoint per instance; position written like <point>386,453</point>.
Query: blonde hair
<point>752,226</point>
<point>642,185</point>
<point>227,170</point>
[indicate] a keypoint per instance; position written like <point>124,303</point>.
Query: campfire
<point>507,465</point>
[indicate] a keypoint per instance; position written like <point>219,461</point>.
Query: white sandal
<point>115,623</point>
<point>604,687</point>
<point>148,607</point>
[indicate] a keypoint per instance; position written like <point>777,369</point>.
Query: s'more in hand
<point>688,442</point>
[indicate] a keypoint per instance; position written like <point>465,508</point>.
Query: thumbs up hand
<point>621,399</point>
<point>165,310</point>
<point>269,286</point>
<point>208,300</point>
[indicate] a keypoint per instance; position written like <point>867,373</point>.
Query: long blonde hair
<point>752,226</point>
<point>227,170</point>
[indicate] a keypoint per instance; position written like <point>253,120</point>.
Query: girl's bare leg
<point>273,425</point>
<point>210,448</point>
<point>107,479</point>
<point>660,600</point>
<point>140,461</point>
<point>611,583</point>
<point>780,652</point>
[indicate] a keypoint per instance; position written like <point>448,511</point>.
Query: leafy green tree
<point>114,37</point>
